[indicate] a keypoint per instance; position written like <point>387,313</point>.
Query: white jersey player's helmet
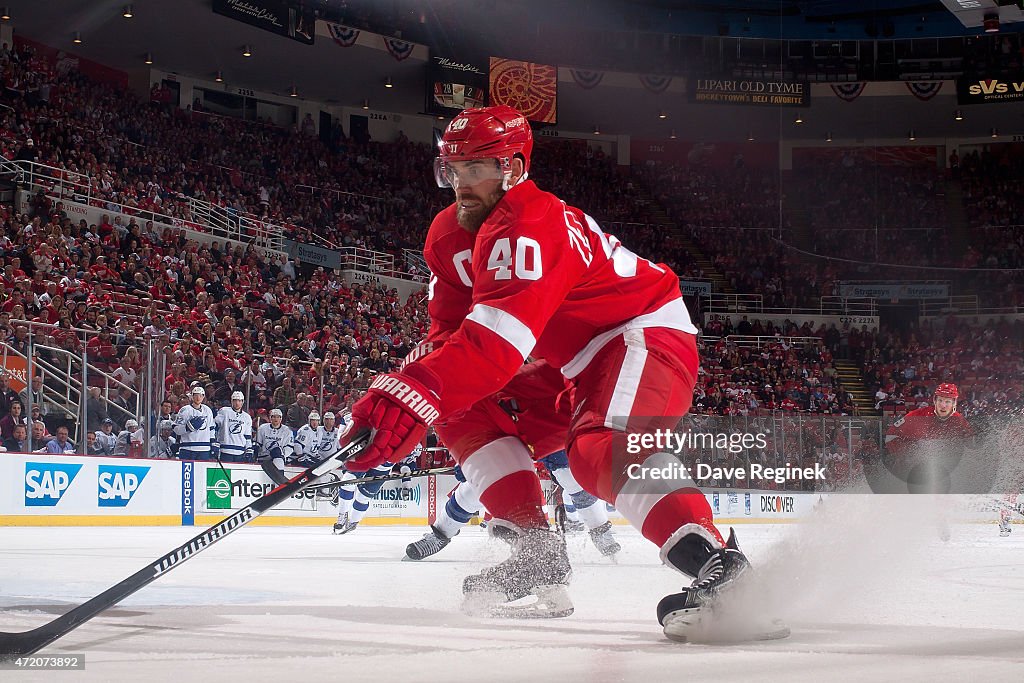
<point>237,396</point>
<point>314,416</point>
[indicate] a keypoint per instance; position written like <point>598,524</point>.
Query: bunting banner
<point>656,84</point>
<point>343,35</point>
<point>924,91</point>
<point>399,49</point>
<point>587,80</point>
<point>848,92</point>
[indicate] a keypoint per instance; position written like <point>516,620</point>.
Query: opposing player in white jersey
<point>195,427</point>
<point>307,442</point>
<point>329,439</point>
<point>328,436</point>
<point>106,438</point>
<point>234,430</point>
<point>274,445</point>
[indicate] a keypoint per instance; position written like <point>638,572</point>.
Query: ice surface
<point>870,592</point>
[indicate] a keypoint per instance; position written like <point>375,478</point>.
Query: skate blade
<point>543,602</point>
<point>700,626</point>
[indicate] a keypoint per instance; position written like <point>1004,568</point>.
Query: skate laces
<point>711,572</point>
<point>432,541</point>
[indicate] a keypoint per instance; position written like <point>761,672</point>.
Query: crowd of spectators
<point>903,367</point>
<point>788,368</point>
<point>300,339</point>
<point>228,319</point>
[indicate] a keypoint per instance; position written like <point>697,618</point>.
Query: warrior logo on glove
<point>419,405</point>
<point>398,408</point>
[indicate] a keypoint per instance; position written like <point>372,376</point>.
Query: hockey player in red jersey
<point>924,446</point>
<point>516,273</point>
<point>939,421</point>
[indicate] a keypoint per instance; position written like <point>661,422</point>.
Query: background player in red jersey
<point>518,273</point>
<point>926,444</point>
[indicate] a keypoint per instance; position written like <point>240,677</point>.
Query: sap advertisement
<point>54,485</point>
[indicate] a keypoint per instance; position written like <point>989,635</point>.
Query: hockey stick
<point>13,645</point>
<point>384,477</point>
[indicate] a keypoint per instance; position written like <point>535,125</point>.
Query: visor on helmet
<point>467,172</point>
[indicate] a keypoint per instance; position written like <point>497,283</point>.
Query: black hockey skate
<point>696,614</point>
<point>531,583</point>
<point>604,539</point>
<point>430,544</point>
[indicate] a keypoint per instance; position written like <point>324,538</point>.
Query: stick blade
<point>14,645</point>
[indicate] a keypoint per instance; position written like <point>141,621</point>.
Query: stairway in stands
<point>851,379</point>
<point>660,217</point>
<point>959,231</point>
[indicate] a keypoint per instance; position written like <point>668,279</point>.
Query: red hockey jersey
<point>540,279</point>
<point>922,425</point>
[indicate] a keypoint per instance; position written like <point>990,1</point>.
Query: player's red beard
<point>472,217</point>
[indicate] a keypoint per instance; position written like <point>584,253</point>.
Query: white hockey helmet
<point>131,424</point>
<point>314,416</point>
<point>237,396</point>
<point>328,415</point>
<point>198,389</point>
<point>276,413</point>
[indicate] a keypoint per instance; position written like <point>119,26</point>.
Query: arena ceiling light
<point>995,133</point>
<point>76,37</point>
<point>128,12</point>
<point>294,92</point>
<point>247,51</point>
<point>366,104</point>
<point>672,135</point>
<point>149,58</point>
<point>828,138</point>
<point>912,135</point>
<point>5,14</point>
<point>662,114</point>
<point>799,119</point>
<point>750,136</point>
<point>597,129</point>
<point>219,77</point>
<point>388,83</point>
<point>958,115</point>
